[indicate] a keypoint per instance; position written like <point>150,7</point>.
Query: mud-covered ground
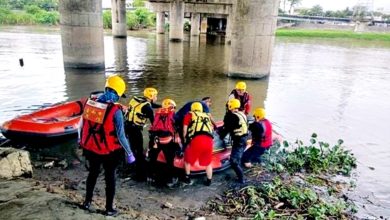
<point>139,197</point>
<point>58,187</point>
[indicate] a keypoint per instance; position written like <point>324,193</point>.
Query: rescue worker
<point>243,96</point>
<point>198,130</point>
<point>102,138</point>
<point>235,124</point>
<point>261,130</point>
<point>163,136</point>
<point>140,109</point>
<point>179,116</point>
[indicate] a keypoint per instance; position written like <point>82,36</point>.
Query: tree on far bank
<point>293,3</point>
<point>48,5</point>
<point>138,3</point>
<point>317,10</point>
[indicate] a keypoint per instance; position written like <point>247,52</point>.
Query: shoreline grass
<point>372,36</point>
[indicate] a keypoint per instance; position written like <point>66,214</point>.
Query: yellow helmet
<point>196,106</point>
<point>150,92</point>
<point>168,103</point>
<point>233,104</point>
<point>116,83</point>
<point>259,113</point>
<point>241,85</point>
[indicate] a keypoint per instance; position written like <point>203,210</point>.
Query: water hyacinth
<point>301,186</point>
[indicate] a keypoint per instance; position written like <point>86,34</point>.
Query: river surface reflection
<point>336,88</point>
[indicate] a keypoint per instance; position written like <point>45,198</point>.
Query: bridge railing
<point>306,17</point>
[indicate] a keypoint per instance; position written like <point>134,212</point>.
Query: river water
<point>336,88</point>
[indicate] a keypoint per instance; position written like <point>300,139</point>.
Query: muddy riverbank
<point>56,192</point>
<point>299,182</point>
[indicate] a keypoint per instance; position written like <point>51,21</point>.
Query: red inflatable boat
<point>54,122</point>
<point>220,159</point>
<point>221,155</point>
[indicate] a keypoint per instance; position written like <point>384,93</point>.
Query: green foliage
<point>4,4</point>
<point>339,14</point>
<point>4,11</point>
<point>144,17</point>
<point>152,19</point>
<point>289,196</point>
<point>140,18</point>
<point>33,9</point>
<point>276,199</point>
<point>332,34</point>
<point>138,3</point>
<point>107,19</point>
<point>315,157</point>
<point>132,21</point>
<point>46,17</point>
<point>23,18</point>
<point>48,5</point>
<point>18,4</point>
<point>318,11</point>
<point>293,3</point>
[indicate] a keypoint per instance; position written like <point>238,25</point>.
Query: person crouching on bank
<point>261,130</point>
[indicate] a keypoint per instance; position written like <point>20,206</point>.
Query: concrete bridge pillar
<point>160,22</point>
<point>118,15</point>
<point>81,26</point>
<point>253,36</point>
<point>360,26</point>
<point>203,25</point>
<point>195,21</point>
<point>228,34</point>
<point>176,20</point>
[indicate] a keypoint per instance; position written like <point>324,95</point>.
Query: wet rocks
<point>14,163</point>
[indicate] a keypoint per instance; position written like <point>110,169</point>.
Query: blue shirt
<point>179,116</point>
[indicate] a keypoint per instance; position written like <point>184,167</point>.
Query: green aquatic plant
<point>315,157</point>
<point>301,187</point>
<point>346,34</point>
<point>279,199</point>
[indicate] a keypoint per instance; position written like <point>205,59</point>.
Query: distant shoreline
<point>324,33</point>
<point>282,32</point>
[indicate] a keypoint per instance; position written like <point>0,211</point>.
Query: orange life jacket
<point>98,132</point>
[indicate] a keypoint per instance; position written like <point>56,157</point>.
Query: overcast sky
<point>342,4</point>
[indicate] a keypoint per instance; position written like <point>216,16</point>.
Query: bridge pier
<point>118,15</point>
<point>176,20</point>
<point>228,31</point>
<point>203,25</point>
<point>360,26</point>
<point>160,22</point>
<point>253,37</point>
<point>195,21</point>
<point>81,26</point>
